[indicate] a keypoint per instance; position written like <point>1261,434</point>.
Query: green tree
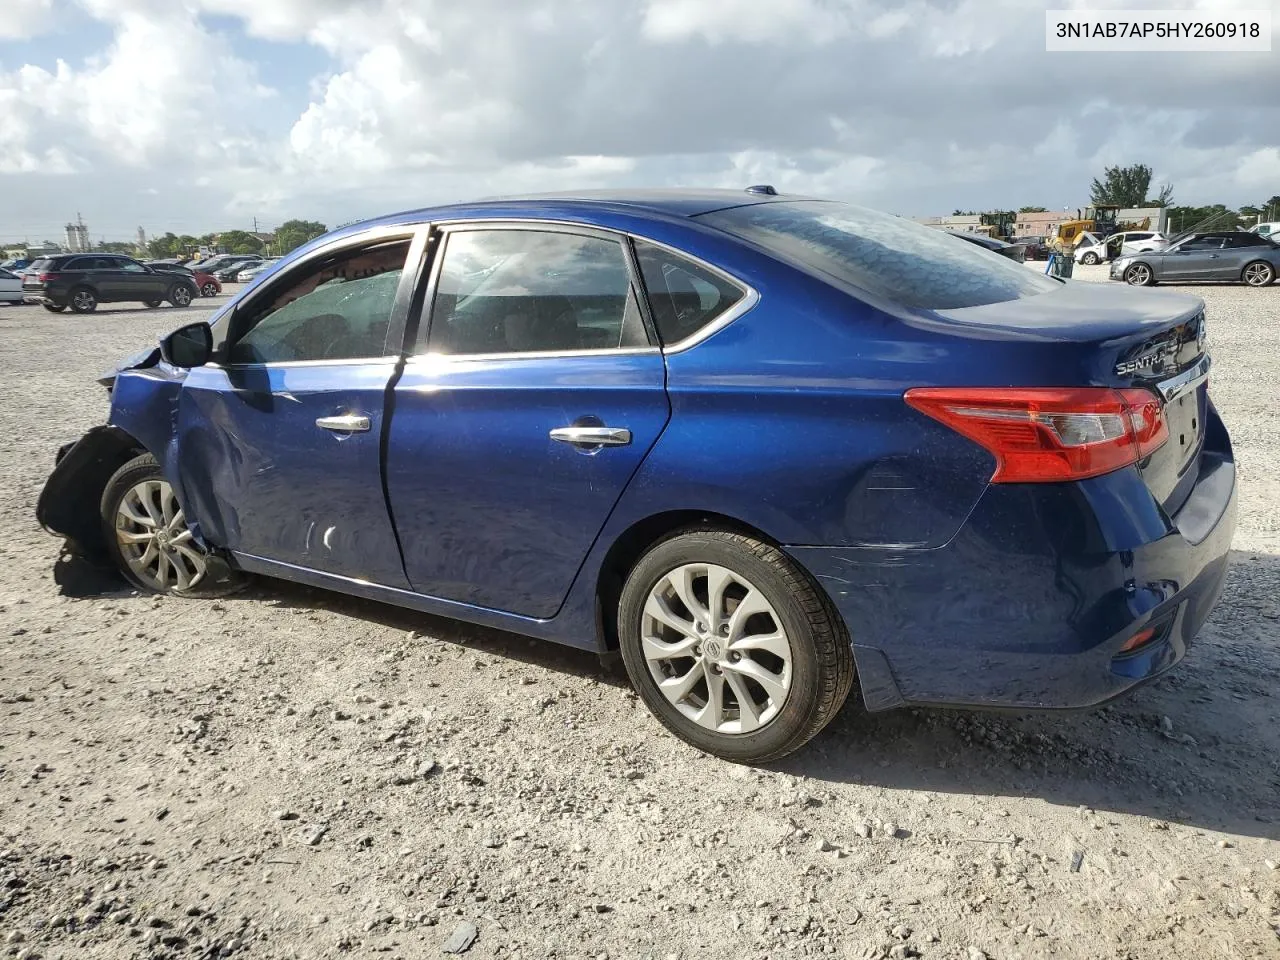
<point>964,213</point>
<point>164,248</point>
<point>116,246</point>
<point>1128,187</point>
<point>239,241</point>
<point>294,233</point>
<point>1186,218</point>
<point>1271,209</point>
<point>1033,210</point>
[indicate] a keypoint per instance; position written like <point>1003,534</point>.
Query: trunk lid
<point>1118,336</point>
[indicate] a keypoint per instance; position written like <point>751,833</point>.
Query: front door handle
<point>344,424</point>
<point>593,436</point>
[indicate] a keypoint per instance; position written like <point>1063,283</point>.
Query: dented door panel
<point>265,480</point>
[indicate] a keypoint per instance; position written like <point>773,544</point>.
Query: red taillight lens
<point>45,277</point>
<point>1050,434</point>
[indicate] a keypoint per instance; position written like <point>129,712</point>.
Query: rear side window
<point>683,296</point>
<point>1246,240</point>
<point>886,256</point>
<point>42,265</point>
<point>533,291</point>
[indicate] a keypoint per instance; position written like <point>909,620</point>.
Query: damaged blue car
<point>765,447</point>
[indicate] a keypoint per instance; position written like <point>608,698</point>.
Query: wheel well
<point>634,542</point>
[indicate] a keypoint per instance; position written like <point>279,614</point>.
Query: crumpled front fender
<point>70,503</point>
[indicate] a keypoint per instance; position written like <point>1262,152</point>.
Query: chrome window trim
<point>281,364</point>
<point>423,359</point>
<point>750,298</point>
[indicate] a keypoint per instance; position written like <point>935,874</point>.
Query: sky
<point>202,115</point>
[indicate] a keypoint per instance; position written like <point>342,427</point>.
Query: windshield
<point>884,255</point>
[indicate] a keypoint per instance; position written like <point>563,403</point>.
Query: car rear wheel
<point>1139,275</point>
<point>153,304</point>
<point>147,536</point>
<point>83,300</point>
<point>55,307</point>
<point>731,645</point>
<point>210,289</point>
<point>1258,274</point>
<point>180,295</point>
<point>1089,258</point>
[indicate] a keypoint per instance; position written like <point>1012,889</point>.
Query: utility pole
<point>255,224</point>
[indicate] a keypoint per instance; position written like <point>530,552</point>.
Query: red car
<point>206,283</point>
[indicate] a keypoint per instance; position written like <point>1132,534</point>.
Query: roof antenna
<point>765,188</point>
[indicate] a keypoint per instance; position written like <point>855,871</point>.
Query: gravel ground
<point>290,773</point>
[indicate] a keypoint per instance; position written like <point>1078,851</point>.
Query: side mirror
<point>189,346</point>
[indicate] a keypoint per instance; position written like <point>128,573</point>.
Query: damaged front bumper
<point>70,505</point>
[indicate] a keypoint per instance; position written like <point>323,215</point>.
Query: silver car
<point>1232,256</point>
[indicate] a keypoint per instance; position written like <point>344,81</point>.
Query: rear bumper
<point>1031,602</point>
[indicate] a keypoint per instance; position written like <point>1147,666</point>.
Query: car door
<point>10,287</point>
<point>137,282</point>
<point>279,440</point>
<point>1134,242</point>
<point>532,395</point>
<point>1240,249</point>
<point>1193,259</point>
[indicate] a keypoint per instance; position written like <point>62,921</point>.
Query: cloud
<point>918,106</point>
<point>25,18</point>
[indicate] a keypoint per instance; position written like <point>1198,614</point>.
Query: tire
<point>181,295</point>
<point>153,304</point>
<point>1258,273</point>
<point>209,290</point>
<point>1089,258</point>
<point>803,696</point>
<point>1140,275</point>
<point>83,300</point>
<point>55,307</point>
<point>182,568</point>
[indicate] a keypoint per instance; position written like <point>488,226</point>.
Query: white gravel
<point>291,773</point>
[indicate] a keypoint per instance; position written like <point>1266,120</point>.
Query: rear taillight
<point>45,277</point>
<point>1050,434</point>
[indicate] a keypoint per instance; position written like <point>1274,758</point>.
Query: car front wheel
<point>146,534</point>
<point>732,646</point>
<point>1089,258</point>
<point>1139,275</point>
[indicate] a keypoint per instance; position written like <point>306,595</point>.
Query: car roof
<point>591,204</point>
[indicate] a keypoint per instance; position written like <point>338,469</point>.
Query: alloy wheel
<point>1139,275</point>
<point>716,648</point>
<point>181,297</point>
<point>1257,274</point>
<point>83,300</point>
<point>210,290</point>
<point>154,540</point>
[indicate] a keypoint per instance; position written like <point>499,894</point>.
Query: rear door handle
<point>593,436</point>
<point>349,423</point>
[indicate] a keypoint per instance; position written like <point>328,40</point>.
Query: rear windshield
<point>40,265</point>
<point>887,256</point>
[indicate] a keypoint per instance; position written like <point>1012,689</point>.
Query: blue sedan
<point>762,446</point>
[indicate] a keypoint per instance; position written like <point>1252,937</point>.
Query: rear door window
<point>533,291</point>
<point>886,256</point>
<point>683,296</point>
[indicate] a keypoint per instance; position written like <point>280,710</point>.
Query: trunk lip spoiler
<point>1188,380</point>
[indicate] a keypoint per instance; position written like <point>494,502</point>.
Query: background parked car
<point>1267,229</point>
<point>1094,249</point>
<point>1011,250</point>
<point>81,281</point>
<point>1037,248</point>
<point>231,272</point>
<point>1230,256</point>
<point>10,287</point>
<point>253,271</point>
<point>223,260</point>
<point>206,283</point>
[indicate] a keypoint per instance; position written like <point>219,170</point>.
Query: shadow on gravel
<point>79,579</point>
<point>1200,746</point>
<point>498,643</point>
